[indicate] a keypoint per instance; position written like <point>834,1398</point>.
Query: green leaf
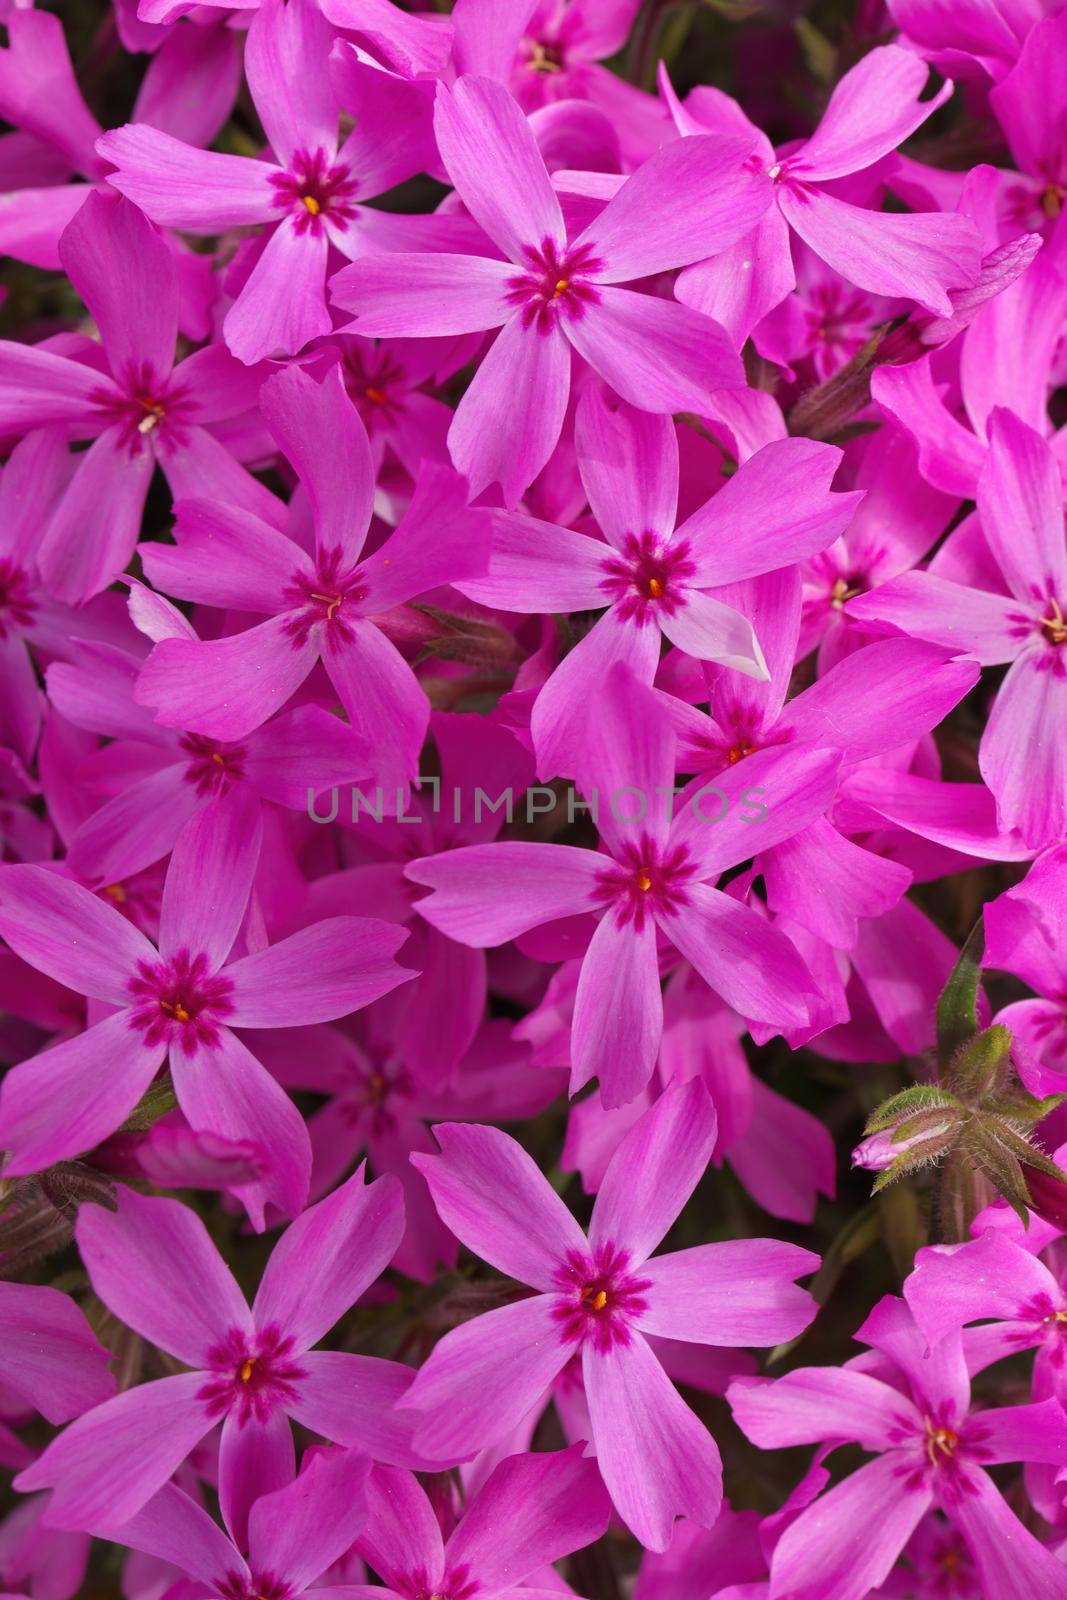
<point>957,1009</point>
<point>983,1067</point>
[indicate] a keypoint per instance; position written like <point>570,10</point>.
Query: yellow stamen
<point>740,751</point>
<point>217,758</point>
<point>116,892</point>
<point>940,1441</point>
<point>330,601</point>
<point>377,395</point>
<point>312,204</point>
<point>1052,200</point>
<point>841,592</point>
<point>655,588</point>
<point>175,1009</point>
<point>600,1300</point>
<point>644,882</point>
<point>561,285</point>
<point>1055,626</point>
<point>246,1368</point>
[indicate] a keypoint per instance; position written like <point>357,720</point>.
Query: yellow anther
<point>246,1368</point>
<point>377,395</point>
<point>644,882</point>
<point>217,758</point>
<point>330,601</point>
<point>655,588</point>
<point>1052,200</point>
<point>1055,626</point>
<point>116,892</point>
<point>561,285</point>
<point>312,204</point>
<point>600,1300</point>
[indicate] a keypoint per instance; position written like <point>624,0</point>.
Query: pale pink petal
<point>228,687</point>
<point>135,829</point>
<point>105,1466</point>
<point>740,1292</point>
<point>38,387</point>
<point>404,296</point>
<point>741,956</point>
<point>816,1403</point>
<point>51,1359</point>
<point>386,704</point>
<point>173,1527</point>
<point>63,930</point>
<point>492,1195</point>
<point>654,1170</point>
<point>196,191</point>
<point>93,530</point>
<point>283,304</point>
<point>561,710</point>
<point>322,435</point>
<point>657,354</point>
<point>618,1011</point>
<point>537,566</point>
<point>919,256</point>
<point>709,630</point>
<point>483,1378</point>
<point>872,110</point>
<point>509,421</point>
<point>187,1308</point>
<point>657,1459</point>
<point>255,1458</point>
<point>491,155</point>
<point>629,464</point>
<point>1023,757</point>
<point>301,1530</point>
<point>739,287</point>
<point>487,894</point>
<point>329,1257</point>
<point>225,557</point>
<point>1020,501</point>
<point>354,1400</point>
<point>690,200</point>
<point>121,267</point>
<point>285,59</point>
<point>325,971</point>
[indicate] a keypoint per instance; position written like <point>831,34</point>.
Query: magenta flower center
<point>212,768</point>
<point>599,1298</point>
<point>373,381</point>
<point>555,283</point>
<point>151,407</point>
<point>647,579</point>
<point>16,604</point>
<point>260,1586</point>
<point>325,599</point>
<point>251,1374</point>
<point>645,878</point>
<point>180,1002</point>
<point>316,189</point>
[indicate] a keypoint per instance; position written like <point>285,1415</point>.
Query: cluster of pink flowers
<point>519,698</point>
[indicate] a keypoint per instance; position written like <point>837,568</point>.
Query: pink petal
<point>537,566</point>
<point>491,155</point>
<point>122,268</point>
<point>920,257</point>
<point>847,1542</point>
<point>740,1292</point>
<point>283,305</point>
<point>618,1011</point>
<point>483,1377</point>
<point>386,704</point>
<point>329,1257</point>
<point>709,630</point>
<point>403,296</point>
<point>690,200</point>
<point>285,60</point>
<point>629,465</point>
<point>741,956</point>
<point>175,1529</point>
<point>792,785</point>
<point>561,712</point>
<point>154,1265</point>
<point>508,422</point>
<point>739,287</point>
<point>872,110</point>
<point>196,191</point>
<point>487,894</point>
<point>1010,1561</point>
<point>1022,756</point>
<point>816,1403</point>
<point>301,1530</point>
<point>63,930</point>
<point>93,530</point>
<point>325,971</point>
<point>549,1504</point>
<point>627,763</point>
<point>51,1358</point>
<point>402,1533</point>
<point>325,441</point>
<point>918,684</point>
<point>439,540</point>
<point>491,1194</point>
<point>654,1170</point>
<point>658,355</point>
<point>135,829</point>
<point>657,1459</point>
<point>210,876</point>
<point>225,557</point>
<point>38,387</point>
<point>228,687</point>
<point>224,1090</point>
<point>354,1401</point>
<point>1020,502</point>
<point>105,1466</point>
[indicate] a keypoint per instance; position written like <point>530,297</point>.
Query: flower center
<point>554,284</point>
<point>844,589</point>
<point>179,1002</point>
<point>644,879</point>
<point>250,1376</point>
<point>154,411</point>
<point>647,579</point>
<point>212,770</point>
<point>314,190</point>
<point>326,599</point>
<point>1054,627</point>
<point>941,1442</point>
<point>545,56</point>
<point>739,751</point>
<point>598,1297</point>
<point>17,609</point>
<point>1052,199</point>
